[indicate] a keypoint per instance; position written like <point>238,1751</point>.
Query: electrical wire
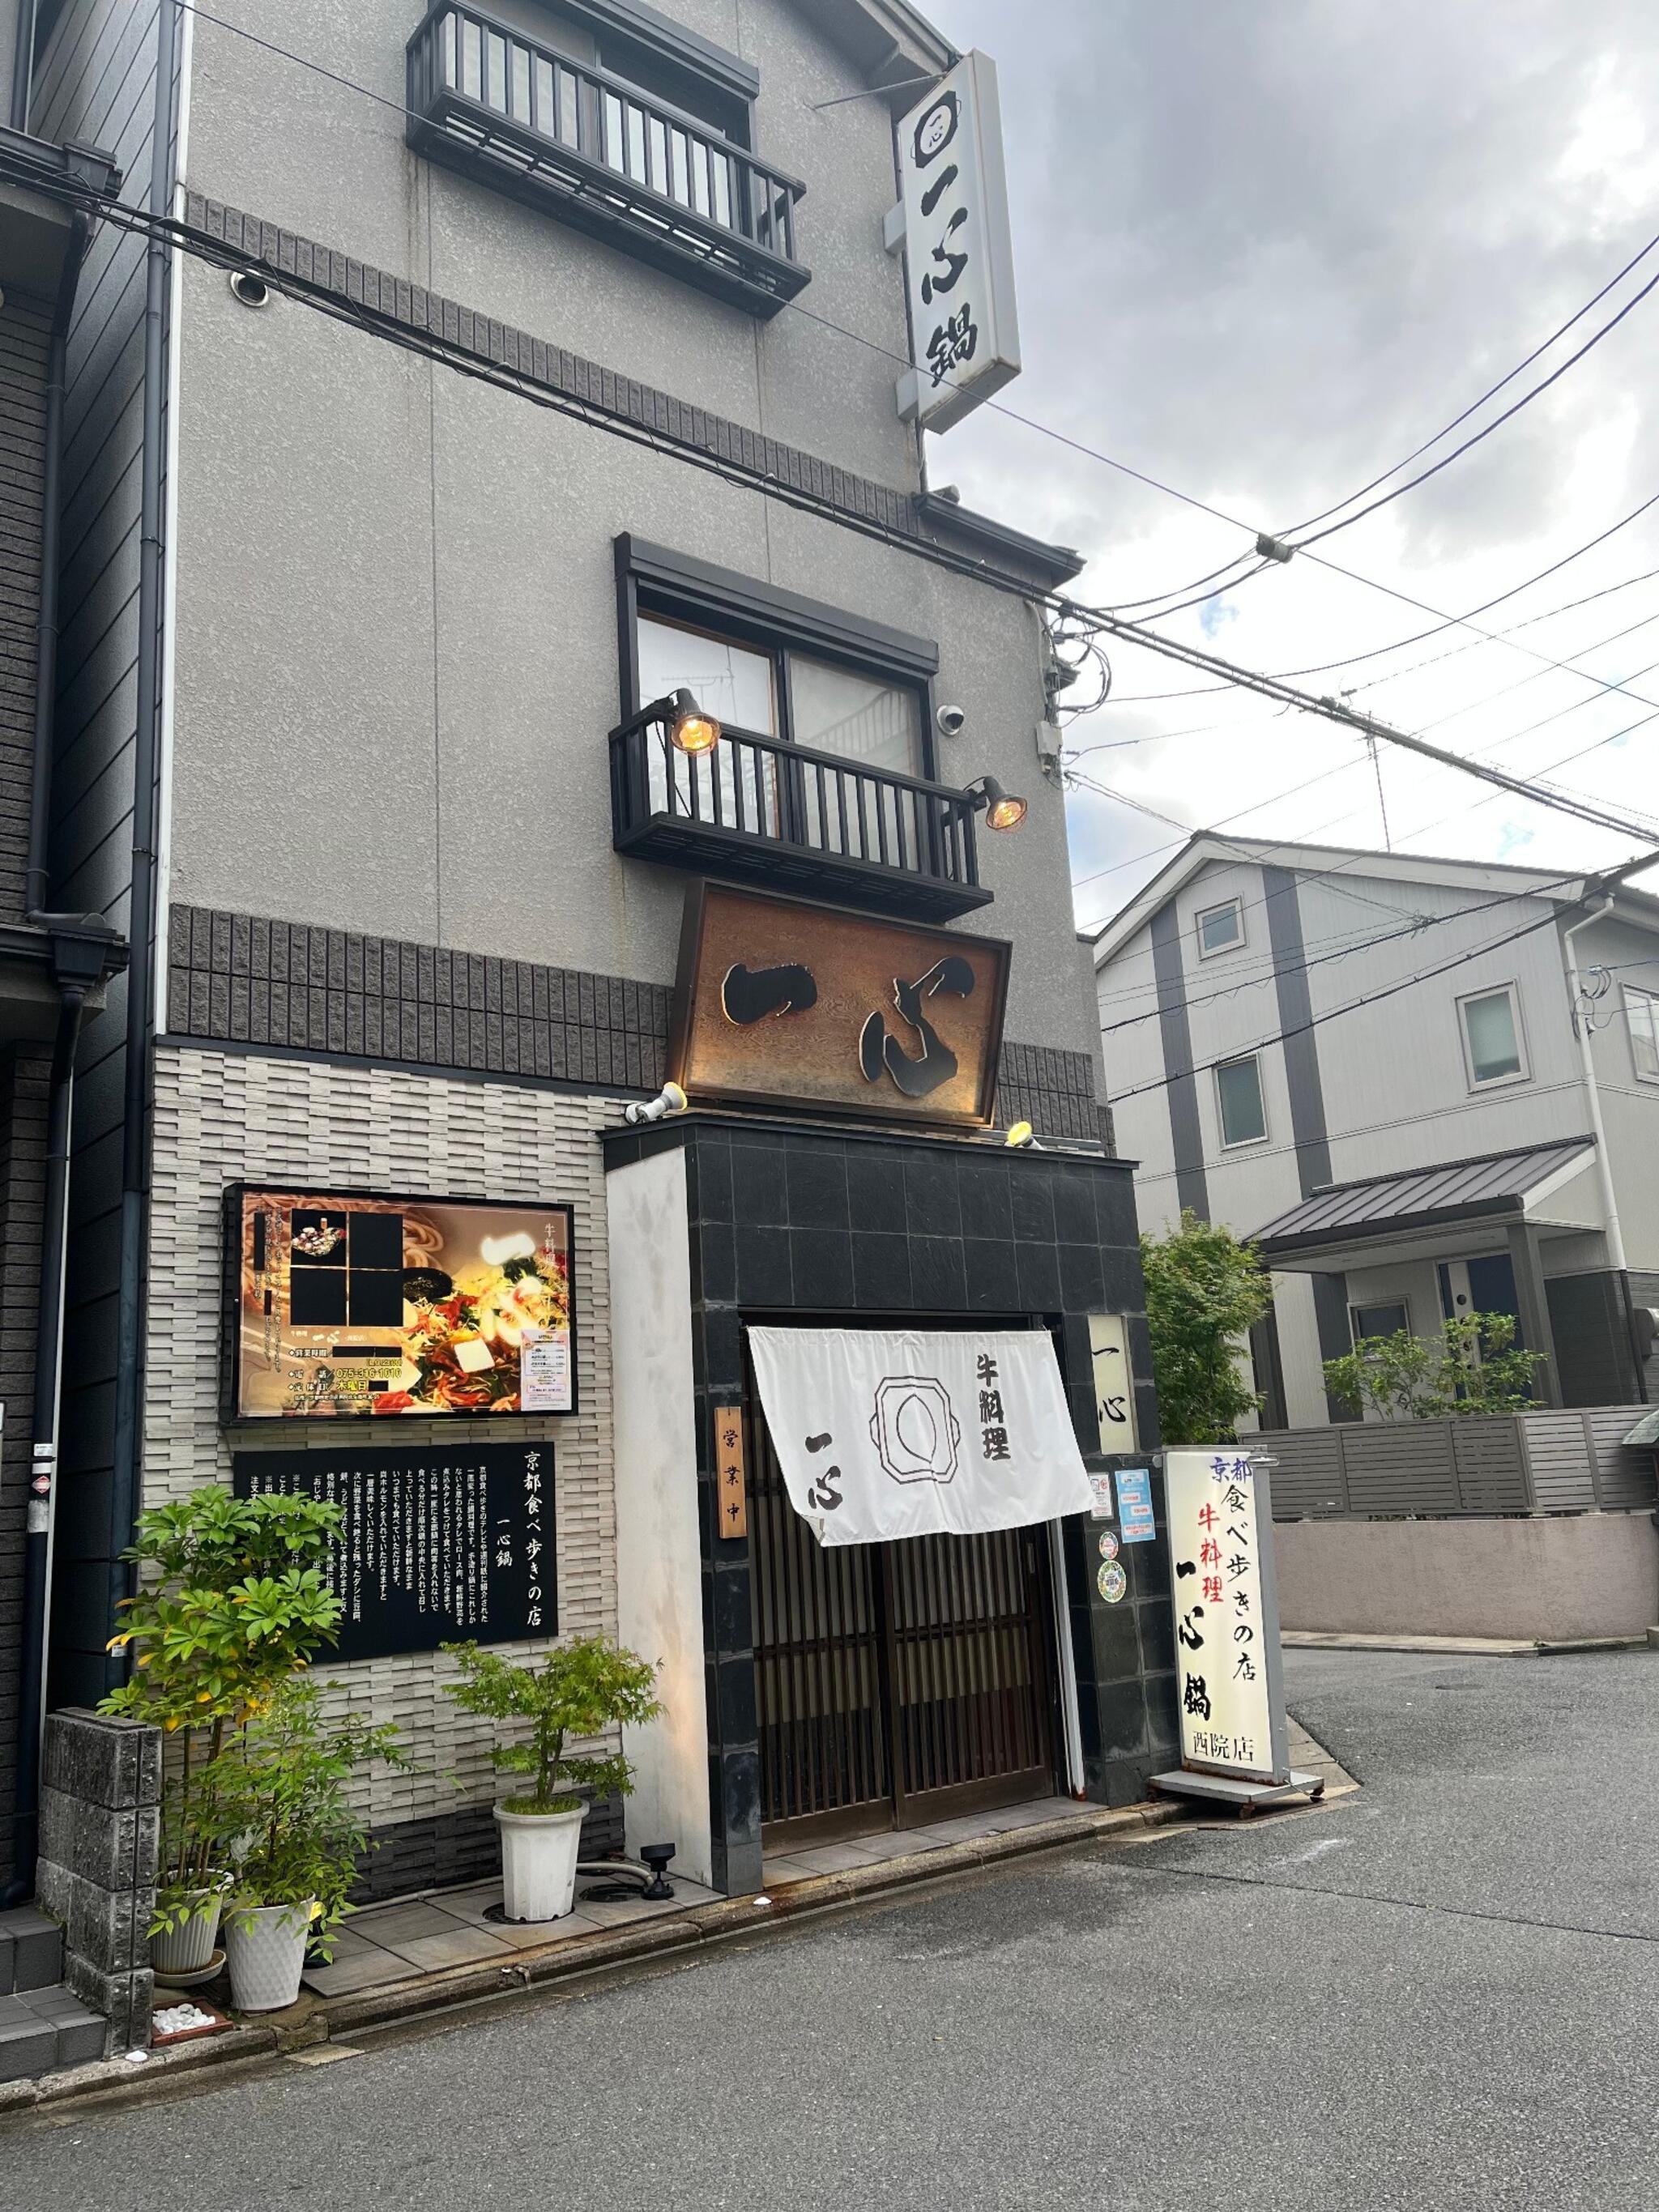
<point>1295,532</point>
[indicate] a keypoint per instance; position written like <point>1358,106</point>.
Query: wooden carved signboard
<point>783,1004</point>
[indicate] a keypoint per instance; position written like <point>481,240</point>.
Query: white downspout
<point>1586,1058</point>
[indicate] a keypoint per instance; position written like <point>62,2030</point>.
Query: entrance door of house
<point>896,1684</point>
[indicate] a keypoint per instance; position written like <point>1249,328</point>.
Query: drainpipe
<point>22,68</point>
<point>80,960</point>
<point>1602,904</point>
<point>124,1482</point>
<point>45,634</point>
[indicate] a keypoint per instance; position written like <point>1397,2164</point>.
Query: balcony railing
<point>597,151</point>
<point>797,820</point>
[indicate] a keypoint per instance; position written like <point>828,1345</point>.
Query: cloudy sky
<point>1265,248</point>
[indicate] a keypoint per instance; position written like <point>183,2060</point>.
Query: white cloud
<point>1263,252</point>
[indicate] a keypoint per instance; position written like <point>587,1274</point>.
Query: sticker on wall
<point>1102,1509</point>
<point>1108,1544</point>
<point>1135,1501</point>
<point>1111,1582</point>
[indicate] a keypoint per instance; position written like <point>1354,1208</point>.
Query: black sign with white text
<point>439,1545</point>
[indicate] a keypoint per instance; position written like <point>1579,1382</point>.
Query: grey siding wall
<point>22,1161</point>
<point>96,82</point>
<point>25,339</point>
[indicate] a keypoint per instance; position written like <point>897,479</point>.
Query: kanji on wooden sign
<point>732,1490</point>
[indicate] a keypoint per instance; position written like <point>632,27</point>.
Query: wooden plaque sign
<point>729,1470</point>
<point>783,1004</point>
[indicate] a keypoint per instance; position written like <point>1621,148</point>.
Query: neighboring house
<point>392,800</point>
<point>53,965</point>
<point>1433,1152</point>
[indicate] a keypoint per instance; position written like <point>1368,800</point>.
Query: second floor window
<point>1492,1037</point>
<point>777,692</point>
<point>1238,1098</point>
<point>1642,1013</point>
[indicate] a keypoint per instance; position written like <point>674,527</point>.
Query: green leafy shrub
<point>1474,1367</point>
<point>577,1691</point>
<point>1205,1290</point>
<point>282,1792</point>
<point>234,1602</point>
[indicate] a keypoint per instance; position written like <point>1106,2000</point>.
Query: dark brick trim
<point>997,554</point>
<point>249,982</point>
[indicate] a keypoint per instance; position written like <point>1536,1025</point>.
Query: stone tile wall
<point>223,1118</point>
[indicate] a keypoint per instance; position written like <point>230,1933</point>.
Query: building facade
<point>54,964</point>
<point>526,377</point>
<point>1449,1148</point>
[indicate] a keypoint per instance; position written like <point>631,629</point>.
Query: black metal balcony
<point>593,149</point>
<point>810,822</point>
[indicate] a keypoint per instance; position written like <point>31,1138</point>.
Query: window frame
<point>1402,1304</point>
<point>687,593</point>
<point>1467,998</point>
<point>1233,943</point>
<point>1241,1144</point>
<point>1650,998</point>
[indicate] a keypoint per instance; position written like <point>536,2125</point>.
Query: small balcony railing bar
<point>798,820</point>
<point>607,158</point>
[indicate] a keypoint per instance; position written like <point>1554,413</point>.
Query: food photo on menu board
<point>349,1305</point>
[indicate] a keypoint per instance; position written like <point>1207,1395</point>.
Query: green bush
<point>577,1692</point>
<point>1472,1367</point>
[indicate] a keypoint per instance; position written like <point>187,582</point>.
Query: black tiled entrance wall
<point>791,1220</point>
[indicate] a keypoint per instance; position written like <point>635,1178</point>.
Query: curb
<point>1460,1647</point>
<point>112,2081</point>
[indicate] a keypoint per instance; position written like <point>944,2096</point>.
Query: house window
<point>1221,927</point>
<point>1492,1037</point>
<point>1238,1094</point>
<point>1379,1320</point>
<point>776,692</point>
<point>1642,1014</point>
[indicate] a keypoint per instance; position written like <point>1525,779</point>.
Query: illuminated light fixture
<point>671,1099</point>
<point>1002,811</point>
<point>1022,1138</point>
<point>691,730</point>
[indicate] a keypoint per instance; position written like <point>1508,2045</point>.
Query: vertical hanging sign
<point>1228,1675</point>
<point>951,224</point>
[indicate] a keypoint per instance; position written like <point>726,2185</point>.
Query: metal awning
<point>1422,1198</point>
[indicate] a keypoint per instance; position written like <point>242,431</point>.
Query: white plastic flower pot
<point>188,1948</point>
<point>538,1863</point>
<point>265,1952</point>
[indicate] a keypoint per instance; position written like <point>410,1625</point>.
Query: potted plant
<point>284,1792</point>
<point>577,1691</point>
<point>235,1599</point>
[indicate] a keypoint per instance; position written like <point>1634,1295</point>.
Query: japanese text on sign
<point>436,1545</point>
<point>952,222</point>
<point>1221,1631</point>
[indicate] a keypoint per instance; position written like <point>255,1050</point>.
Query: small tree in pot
<point>577,1691</point>
<point>235,1600</point>
<point>283,1795</point>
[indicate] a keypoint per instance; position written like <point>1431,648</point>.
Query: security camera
<point>952,720</point>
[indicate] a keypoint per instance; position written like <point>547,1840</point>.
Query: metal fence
<point>1542,1462</point>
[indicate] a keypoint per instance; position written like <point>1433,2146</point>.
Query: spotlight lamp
<point>1022,1138</point>
<point>1001,808</point>
<point>671,1099</point>
<point>690,730</point>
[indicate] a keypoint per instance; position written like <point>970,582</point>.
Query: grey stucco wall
<point>330,162</point>
<point>413,742</point>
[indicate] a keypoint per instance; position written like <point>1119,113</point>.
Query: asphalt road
<point>1441,1993</point>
